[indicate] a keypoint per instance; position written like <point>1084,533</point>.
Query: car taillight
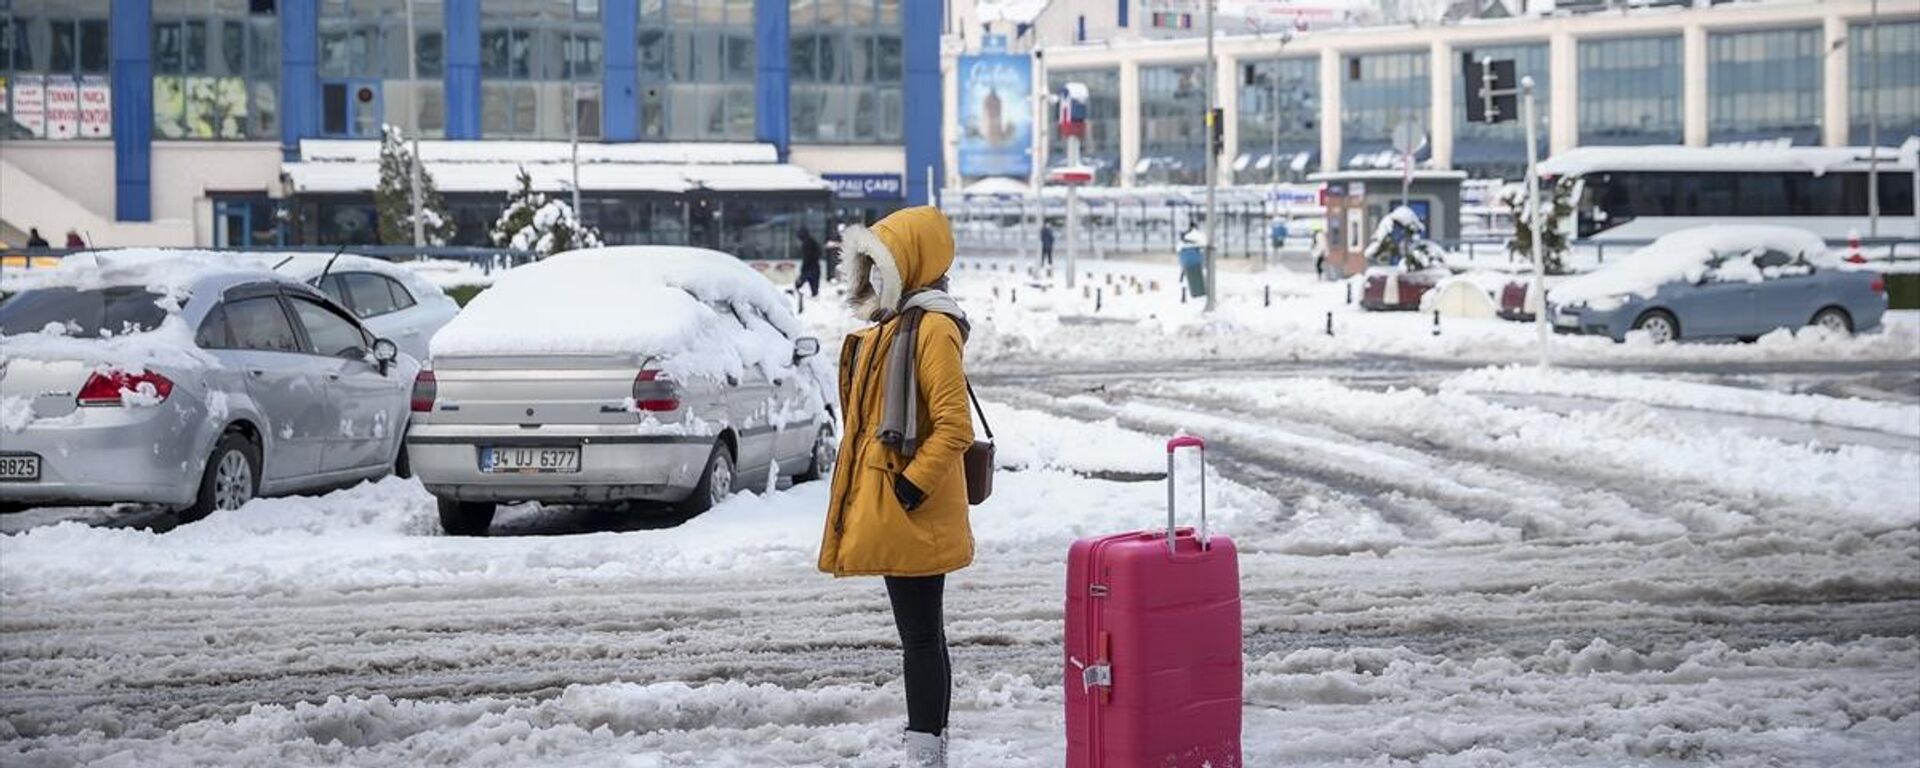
<point>426,389</point>
<point>1879,284</point>
<point>104,389</point>
<point>655,391</point>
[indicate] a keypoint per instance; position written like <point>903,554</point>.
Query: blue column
<point>924,102</point>
<point>463,69</point>
<point>619,110</point>
<point>130,38</point>
<point>771,31</point>
<point>299,74</point>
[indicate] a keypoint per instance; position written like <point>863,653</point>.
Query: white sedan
<point>393,301</point>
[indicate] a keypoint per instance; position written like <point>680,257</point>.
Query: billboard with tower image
<point>996,115</point>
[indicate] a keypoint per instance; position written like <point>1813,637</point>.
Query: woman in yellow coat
<point>899,502</point>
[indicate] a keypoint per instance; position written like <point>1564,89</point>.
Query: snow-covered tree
<point>394,197</point>
<point>1400,238</point>
<point>1553,243</point>
<point>531,222</point>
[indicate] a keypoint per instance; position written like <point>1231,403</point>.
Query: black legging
<point>916,611</point>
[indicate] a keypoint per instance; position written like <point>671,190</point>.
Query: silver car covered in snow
<point>613,374</point>
<point>195,381</point>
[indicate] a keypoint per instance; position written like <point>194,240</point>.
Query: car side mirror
<point>805,347</point>
<point>384,353</point>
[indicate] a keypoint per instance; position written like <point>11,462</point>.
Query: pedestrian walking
<point>34,240</point>
<point>809,262</point>
<point>1046,245</point>
<point>898,505</point>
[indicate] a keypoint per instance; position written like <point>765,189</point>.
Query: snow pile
<point>1683,256</point>
<point>659,302</point>
<point>1902,419</point>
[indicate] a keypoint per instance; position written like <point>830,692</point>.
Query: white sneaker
<point>925,750</point>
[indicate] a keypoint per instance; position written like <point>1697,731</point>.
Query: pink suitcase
<point>1153,645</point>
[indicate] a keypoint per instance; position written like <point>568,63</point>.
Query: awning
<point>331,166</point>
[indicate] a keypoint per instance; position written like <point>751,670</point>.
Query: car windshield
<point>88,314</point>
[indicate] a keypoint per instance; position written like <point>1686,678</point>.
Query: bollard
<point>1013,295</point>
<point>1099,298</point>
<point>1349,291</point>
<point>1086,291</point>
<point>1154,284</point>
<point>802,296</point>
<point>1329,323</point>
<point>996,291</point>
<point>1183,293</point>
<point>1266,296</point>
<point>1436,322</point>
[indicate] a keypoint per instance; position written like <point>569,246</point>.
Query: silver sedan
<point>190,387</point>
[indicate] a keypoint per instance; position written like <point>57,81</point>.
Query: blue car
<point>1721,283</point>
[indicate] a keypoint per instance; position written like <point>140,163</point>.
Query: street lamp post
<point>1213,165</point>
<point>413,124</point>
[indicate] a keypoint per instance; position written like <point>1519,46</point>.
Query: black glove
<point>909,495</point>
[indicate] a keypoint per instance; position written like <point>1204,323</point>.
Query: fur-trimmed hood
<point>912,249</point>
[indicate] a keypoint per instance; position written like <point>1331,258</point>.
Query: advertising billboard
<point>996,115</point>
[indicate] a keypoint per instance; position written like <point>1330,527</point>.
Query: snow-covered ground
<point>1445,562</point>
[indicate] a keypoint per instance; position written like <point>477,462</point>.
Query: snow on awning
<point>330,166</point>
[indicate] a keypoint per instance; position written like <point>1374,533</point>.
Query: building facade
<point>168,122</point>
<point>1325,99</point>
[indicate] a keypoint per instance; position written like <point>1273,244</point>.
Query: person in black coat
<point>34,240</point>
<point>809,262</point>
<point>1046,245</point>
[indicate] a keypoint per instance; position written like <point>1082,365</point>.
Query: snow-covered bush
<point>1400,238</point>
<point>394,196</point>
<point>1553,243</point>
<point>531,222</point>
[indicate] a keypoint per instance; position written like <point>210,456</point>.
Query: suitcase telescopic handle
<point>1187,441</point>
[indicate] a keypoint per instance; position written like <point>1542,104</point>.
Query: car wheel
<point>1833,320</point>
<point>466,518</point>
<point>1660,326</point>
<point>716,483</point>
<point>231,479</point>
<point>821,461</point>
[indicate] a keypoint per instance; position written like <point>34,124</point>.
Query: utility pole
<point>1213,165</point>
<point>1873,121</point>
<point>413,125</point>
<point>573,132</point>
<point>1534,219</point>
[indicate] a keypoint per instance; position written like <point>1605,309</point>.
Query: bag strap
<point>977,409</point>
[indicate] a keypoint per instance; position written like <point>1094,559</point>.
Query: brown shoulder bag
<point>979,458</point>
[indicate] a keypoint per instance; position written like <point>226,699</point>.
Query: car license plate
<point>530,461</point>
<point>19,467</point>
<point>1566,320</point>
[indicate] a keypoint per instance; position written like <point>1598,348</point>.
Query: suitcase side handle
<point>1187,441</point>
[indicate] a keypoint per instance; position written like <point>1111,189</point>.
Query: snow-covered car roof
<point>170,271</point>
<point>1683,256</point>
<point>660,302</point>
<point>306,266</point>
<point>173,274</point>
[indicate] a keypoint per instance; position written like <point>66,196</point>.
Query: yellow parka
<point>868,533</point>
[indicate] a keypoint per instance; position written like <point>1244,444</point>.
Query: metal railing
<point>486,259</point>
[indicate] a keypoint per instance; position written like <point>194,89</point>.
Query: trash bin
<point>1193,266</point>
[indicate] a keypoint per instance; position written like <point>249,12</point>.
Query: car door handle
<point>333,377</point>
<point>733,381</point>
<point>257,372</point>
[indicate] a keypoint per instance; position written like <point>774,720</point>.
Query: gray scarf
<point>900,419</point>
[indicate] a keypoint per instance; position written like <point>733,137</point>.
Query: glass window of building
<point>216,70</point>
<point>1378,92</point>
<point>1896,94</point>
<point>539,68</point>
<point>1499,150</point>
<point>697,62</point>
<point>1279,120</point>
<point>1764,85</point>
<point>1100,148</point>
<point>1630,91</point>
<point>1173,105</point>
<point>53,70</point>
<point>363,68</point>
<point>847,65</point>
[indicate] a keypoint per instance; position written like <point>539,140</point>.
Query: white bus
<point>1640,193</point>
